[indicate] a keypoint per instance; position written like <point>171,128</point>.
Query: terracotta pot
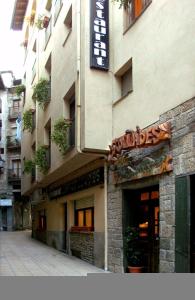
<point>135,269</point>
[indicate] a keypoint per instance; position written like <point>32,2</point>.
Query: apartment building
<point>121,83</point>
<point>67,188</point>
<point>15,211</point>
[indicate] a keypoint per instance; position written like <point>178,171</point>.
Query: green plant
<point>123,3</point>
<point>28,166</point>
<point>41,92</point>
<point>60,134</point>
<point>27,119</point>
<point>42,22</point>
<point>132,246</point>
<point>20,89</point>
<point>41,159</point>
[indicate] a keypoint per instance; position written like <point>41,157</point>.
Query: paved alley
<point>20,255</point>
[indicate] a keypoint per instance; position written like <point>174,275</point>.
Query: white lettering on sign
<point>100,32</point>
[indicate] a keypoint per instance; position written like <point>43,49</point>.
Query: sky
<point>11,53</point>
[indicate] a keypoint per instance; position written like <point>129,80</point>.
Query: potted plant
<point>133,250</point>
<point>20,89</point>
<point>42,22</point>
<point>27,119</point>
<point>41,159</point>
<point>29,165</point>
<point>60,134</point>
<point>41,92</point>
<point>124,3</point>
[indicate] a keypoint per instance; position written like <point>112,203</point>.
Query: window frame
<point>127,23</point>
<point>84,216</point>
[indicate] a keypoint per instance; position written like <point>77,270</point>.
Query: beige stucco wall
<point>160,44</point>
<point>56,214</point>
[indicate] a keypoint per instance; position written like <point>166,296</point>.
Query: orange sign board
<point>139,138</point>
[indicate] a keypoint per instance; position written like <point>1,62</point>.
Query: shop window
<point>84,217</point>
<point>133,11</point>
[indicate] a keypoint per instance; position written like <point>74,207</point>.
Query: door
<point>182,222</point>
<point>141,209</point>
<point>4,218</point>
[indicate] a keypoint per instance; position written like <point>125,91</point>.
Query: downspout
<point>79,150</point>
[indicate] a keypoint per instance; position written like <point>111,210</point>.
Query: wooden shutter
<point>182,220</point>
<point>138,7</point>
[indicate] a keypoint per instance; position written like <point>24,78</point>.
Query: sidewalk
<point>20,255</point>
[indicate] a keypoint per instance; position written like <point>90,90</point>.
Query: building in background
<point>15,210</point>
<point>99,76</point>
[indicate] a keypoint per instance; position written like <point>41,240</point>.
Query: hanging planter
<point>27,120</point>
<point>42,22</point>
<point>30,19</point>
<point>41,92</point>
<point>29,165</point>
<point>123,3</point>
<point>60,134</point>
<point>41,159</point>
<point>20,89</point>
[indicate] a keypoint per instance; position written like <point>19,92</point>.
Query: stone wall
<point>182,146</point>
<point>82,245</point>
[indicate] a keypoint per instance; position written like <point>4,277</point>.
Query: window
<point>134,10</point>
<point>84,217</point>
<point>126,82</point>
<point>68,24</point>
<point>124,79</point>
<point>34,71</point>
<point>68,19</point>
<point>58,5</point>
<point>42,220</point>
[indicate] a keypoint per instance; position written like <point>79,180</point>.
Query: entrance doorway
<point>141,209</point>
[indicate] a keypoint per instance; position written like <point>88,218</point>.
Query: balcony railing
<point>12,142</point>
<point>14,113</point>
<point>14,175</point>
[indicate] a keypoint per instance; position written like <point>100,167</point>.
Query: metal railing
<point>14,112</point>
<point>14,174</point>
<point>12,142</point>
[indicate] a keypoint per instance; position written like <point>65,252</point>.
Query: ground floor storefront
<point>151,188</point>
<point>71,218</point>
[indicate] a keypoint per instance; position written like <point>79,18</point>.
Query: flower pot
<point>135,269</point>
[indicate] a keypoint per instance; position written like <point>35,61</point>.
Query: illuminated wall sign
<point>99,44</point>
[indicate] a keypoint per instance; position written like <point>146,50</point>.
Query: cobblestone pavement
<point>20,255</point>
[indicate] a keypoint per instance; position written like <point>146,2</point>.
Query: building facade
<point>15,211</point>
<point>119,77</point>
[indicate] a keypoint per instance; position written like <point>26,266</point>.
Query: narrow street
<point>20,255</point>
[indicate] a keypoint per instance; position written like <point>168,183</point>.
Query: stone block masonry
<point>182,143</point>
<point>82,245</point>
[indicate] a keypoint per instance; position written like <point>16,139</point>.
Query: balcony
<point>14,113</point>
<point>13,143</point>
<point>14,175</point>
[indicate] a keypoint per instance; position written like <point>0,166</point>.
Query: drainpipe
<point>105,217</point>
<point>78,146</point>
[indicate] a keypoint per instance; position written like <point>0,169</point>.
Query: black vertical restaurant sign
<point>99,28</point>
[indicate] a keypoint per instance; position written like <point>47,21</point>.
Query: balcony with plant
<point>42,92</point>
<point>42,22</point>
<point>60,135</point>
<point>27,120</point>
<point>42,159</point>
<point>20,89</point>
